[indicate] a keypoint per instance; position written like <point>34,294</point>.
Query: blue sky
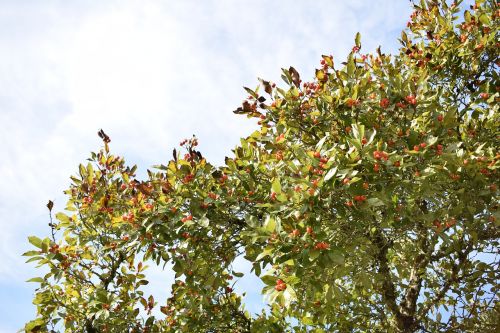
<point>149,73</point>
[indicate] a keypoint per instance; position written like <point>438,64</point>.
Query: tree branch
<point>462,257</point>
<point>388,289</point>
<point>425,247</point>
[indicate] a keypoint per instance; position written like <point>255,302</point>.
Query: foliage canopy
<point>367,201</point>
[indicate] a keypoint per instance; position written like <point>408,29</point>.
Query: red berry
<point>360,198</point>
<point>322,246</point>
<point>384,103</point>
<point>280,137</point>
<point>411,99</point>
<point>380,155</point>
<point>352,102</point>
<point>279,155</point>
<point>280,285</point>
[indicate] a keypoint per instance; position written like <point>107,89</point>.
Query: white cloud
<point>149,73</point>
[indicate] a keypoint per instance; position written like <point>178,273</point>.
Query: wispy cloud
<point>149,73</point>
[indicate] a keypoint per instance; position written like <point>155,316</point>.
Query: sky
<point>149,73</point>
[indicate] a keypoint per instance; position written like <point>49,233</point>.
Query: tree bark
<point>403,322</point>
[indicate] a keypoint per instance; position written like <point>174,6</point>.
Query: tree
<point>366,202</point>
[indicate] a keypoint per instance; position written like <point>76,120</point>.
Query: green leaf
<point>263,254</point>
<point>313,254</point>
<point>282,197</point>
<point>276,186</point>
<point>332,172</point>
<point>328,60</point>
<point>467,16</point>
<point>238,274</point>
<point>450,118</point>
<point>34,259</point>
<point>320,75</point>
<point>270,224</point>
<point>306,320</point>
<point>150,321</point>
<point>251,92</point>
<point>30,253</point>
<point>289,296</point>
<point>358,39</point>
<point>375,202</point>
<point>268,280</point>
<point>256,268</point>
<point>82,171</point>
<point>404,37</point>
<point>36,325</point>
<point>36,279</point>
<point>371,137</point>
<point>142,283</point>
<point>35,241</point>
<point>356,143</point>
<point>321,142</point>
<point>204,222</point>
<point>63,218</point>
<point>336,257</point>
<point>286,76</point>
<point>484,19</point>
<point>358,131</point>
<point>45,244</point>
<point>351,66</point>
